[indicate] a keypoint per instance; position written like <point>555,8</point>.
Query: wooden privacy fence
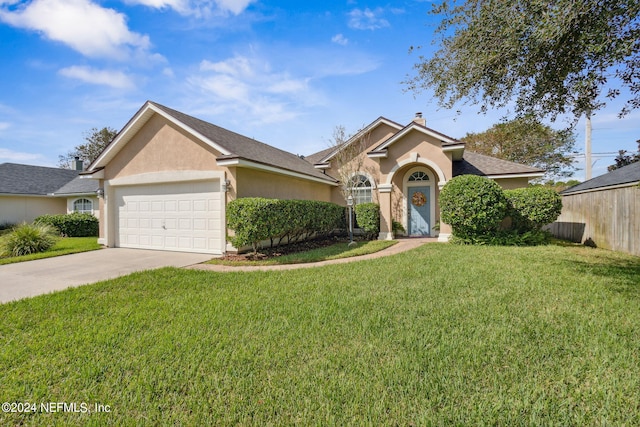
<point>606,218</point>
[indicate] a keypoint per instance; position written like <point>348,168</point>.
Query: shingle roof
<point>625,175</point>
<point>479,164</point>
<point>246,148</point>
<point>316,157</point>
<point>33,180</point>
<point>78,186</point>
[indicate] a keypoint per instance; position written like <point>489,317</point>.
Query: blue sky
<point>285,73</point>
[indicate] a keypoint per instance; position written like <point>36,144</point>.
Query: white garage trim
<point>167,176</point>
<point>175,211</point>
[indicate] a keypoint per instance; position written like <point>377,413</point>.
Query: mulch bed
<point>267,253</point>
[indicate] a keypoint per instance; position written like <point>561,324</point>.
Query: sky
<point>283,72</point>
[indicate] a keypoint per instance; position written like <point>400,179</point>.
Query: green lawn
<point>440,335</point>
<point>65,246</point>
<point>335,251</point>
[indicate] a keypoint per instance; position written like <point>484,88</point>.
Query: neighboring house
<point>603,211</point>
<point>167,178</point>
<point>27,192</point>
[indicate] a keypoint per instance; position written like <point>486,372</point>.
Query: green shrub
<point>72,225</point>
<point>532,208</point>
<point>28,239</point>
<point>473,206</point>
<point>255,219</point>
<point>368,218</point>
<point>397,227</point>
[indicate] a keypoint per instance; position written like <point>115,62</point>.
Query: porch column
<point>384,195</point>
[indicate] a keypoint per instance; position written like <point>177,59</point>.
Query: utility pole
<point>587,147</point>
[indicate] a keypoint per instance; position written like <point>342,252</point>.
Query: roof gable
<point>444,139</point>
<point>33,180</point>
<point>233,146</point>
<point>629,174</point>
<point>330,153</point>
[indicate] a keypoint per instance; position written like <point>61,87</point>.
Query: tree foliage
<point>97,140</point>
<point>624,158</point>
<point>525,140</point>
<point>550,58</point>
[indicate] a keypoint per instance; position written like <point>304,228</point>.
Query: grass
<point>65,246</point>
<point>335,251</point>
<point>439,335</point>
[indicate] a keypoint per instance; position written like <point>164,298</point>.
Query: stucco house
<point>167,177</point>
<point>27,192</point>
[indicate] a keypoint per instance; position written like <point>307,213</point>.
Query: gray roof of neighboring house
<point>479,164</point>
<point>625,175</point>
<point>242,147</point>
<point>78,185</point>
<point>33,180</point>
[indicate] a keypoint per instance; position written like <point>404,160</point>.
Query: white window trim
<point>371,180</point>
<point>73,205</point>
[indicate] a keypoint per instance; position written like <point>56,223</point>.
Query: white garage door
<point>185,217</point>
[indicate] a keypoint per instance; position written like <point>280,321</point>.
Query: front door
<point>419,212</point>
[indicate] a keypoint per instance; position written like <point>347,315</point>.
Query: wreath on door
<point>418,199</point>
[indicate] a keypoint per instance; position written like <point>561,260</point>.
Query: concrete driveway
<point>27,279</point>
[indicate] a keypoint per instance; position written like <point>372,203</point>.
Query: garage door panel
<point>183,216</point>
<point>170,206</point>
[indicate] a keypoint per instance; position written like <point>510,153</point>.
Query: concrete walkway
<point>31,278</point>
<point>402,246</point>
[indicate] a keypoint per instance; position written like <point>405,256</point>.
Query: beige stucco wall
<point>161,146</point>
<point>512,183</point>
<point>426,147</point>
<point>255,183</point>
<point>17,209</point>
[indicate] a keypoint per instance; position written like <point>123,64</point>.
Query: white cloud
<point>115,79</point>
<point>7,155</point>
<point>84,26</point>
<point>340,39</point>
<point>234,6</point>
<point>367,19</point>
<point>248,86</point>
<point>197,8</point>
<point>4,126</point>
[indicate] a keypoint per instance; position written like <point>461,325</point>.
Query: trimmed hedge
<point>72,225</point>
<point>368,218</point>
<point>532,208</point>
<point>255,219</point>
<point>472,205</point>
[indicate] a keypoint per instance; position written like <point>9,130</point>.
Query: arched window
<point>418,176</point>
<point>83,205</point>
<point>360,189</point>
